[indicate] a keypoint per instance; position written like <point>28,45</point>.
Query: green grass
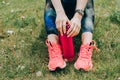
<point>24,53</point>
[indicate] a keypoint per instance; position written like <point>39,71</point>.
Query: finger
<point>72,32</point>
<point>64,26</point>
<point>76,33</point>
<point>78,30</point>
<point>79,27</point>
<point>57,26</point>
<point>60,29</point>
<point>70,29</point>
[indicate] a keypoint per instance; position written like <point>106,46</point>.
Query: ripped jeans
<point>87,21</point>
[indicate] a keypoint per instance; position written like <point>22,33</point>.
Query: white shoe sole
<point>82,68</point>
<point>53,69</point>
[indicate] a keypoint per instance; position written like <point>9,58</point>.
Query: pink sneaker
<point>55,56</point>
<point>84,60</point>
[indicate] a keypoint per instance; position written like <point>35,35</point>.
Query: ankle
<point>86,38</point>
<point>53,38</point>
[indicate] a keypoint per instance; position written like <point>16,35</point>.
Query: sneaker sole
<point>57,68</point>
<point>82,68</point>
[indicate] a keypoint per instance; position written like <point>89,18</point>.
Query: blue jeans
<point>87,22</point>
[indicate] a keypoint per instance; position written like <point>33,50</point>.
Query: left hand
<point>75,25</point>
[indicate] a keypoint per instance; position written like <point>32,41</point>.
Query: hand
<point>75,25</point>
<point>61,20</point>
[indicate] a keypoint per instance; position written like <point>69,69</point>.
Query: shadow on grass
<point>39,44</point>
<point>39,54</point>
<point>115,17</point>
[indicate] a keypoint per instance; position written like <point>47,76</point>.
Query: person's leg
<point>49,19</point>
<point>52,42</point>
<point>84,60</point>
<point>53,38</point>
<point>86,37</point>
<point>88,23</point>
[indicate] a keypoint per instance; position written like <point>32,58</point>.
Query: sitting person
<point>80,15</point>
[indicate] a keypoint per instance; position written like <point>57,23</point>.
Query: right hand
<point>61,20</point>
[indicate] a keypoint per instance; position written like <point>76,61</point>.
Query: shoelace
<point>94,45</point>
<point>88,49</point>
<point>54,50</point>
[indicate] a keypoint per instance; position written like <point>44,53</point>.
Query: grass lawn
<point>23,53</point>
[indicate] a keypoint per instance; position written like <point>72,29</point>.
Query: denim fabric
<point>87,22</point>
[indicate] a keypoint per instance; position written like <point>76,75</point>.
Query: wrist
<point>79,12</point>
<point>77,15</point>
<point>61,12</point>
